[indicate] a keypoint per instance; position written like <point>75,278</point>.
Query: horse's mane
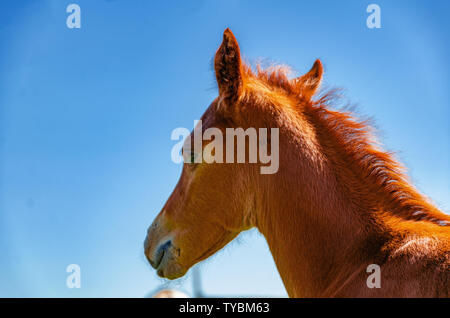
<point>356,139</point>
<point>272,76</point>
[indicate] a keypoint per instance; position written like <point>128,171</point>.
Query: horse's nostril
<point>160,254</point>
<point>165,246</point>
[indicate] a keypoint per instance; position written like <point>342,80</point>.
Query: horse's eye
<point>190,157</point>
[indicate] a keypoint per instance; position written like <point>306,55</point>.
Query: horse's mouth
<point>169,268</point>
<point>164,261</point>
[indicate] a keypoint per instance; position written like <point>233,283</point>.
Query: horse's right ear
<point>310,82</point>
<point>227,64</point>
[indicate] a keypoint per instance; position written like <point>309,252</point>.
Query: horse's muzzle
<point>161,252</point>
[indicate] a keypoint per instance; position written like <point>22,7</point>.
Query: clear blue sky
<point>86,117</point>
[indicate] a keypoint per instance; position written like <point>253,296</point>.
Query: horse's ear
<point>227,64</point>
<point>310,82</point>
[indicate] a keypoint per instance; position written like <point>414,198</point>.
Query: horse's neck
<point>316,233</point>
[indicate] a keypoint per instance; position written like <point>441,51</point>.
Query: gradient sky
<point>86,117</point>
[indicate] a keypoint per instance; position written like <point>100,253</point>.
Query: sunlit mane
<point>356,139</point>
<point>273,76</point>
<point>378,166</point>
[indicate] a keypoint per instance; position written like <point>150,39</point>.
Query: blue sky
<point>86,116</point>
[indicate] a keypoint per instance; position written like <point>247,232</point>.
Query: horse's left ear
<point>227,64</point>
<point>310,82</point>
